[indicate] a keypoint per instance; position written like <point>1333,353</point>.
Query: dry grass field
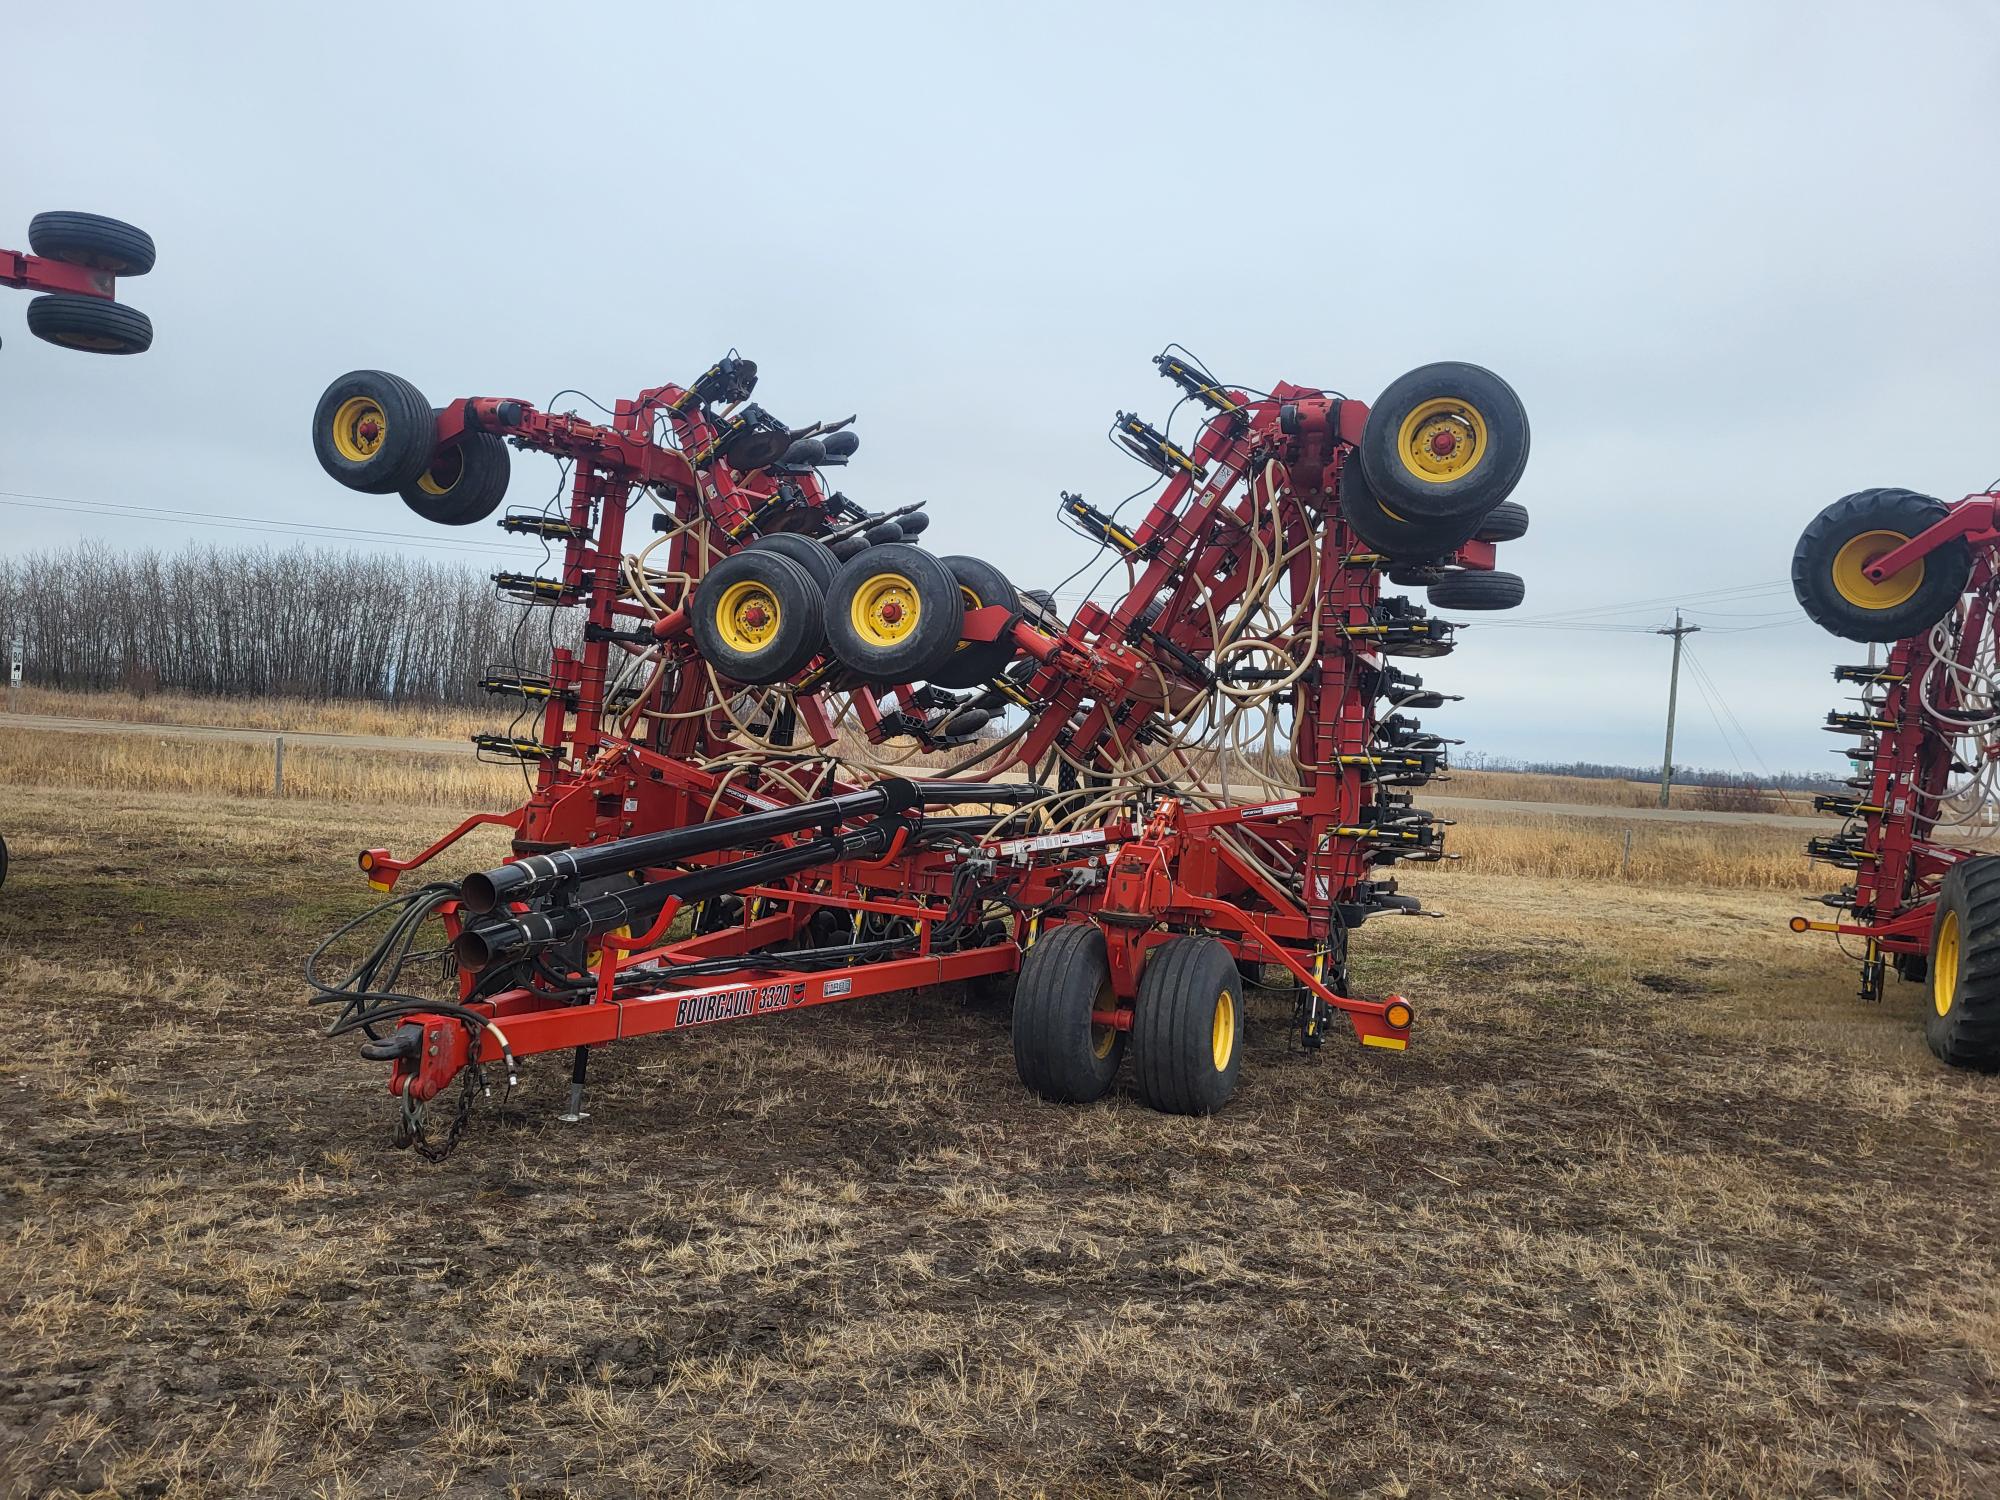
<point>1652,1207</point>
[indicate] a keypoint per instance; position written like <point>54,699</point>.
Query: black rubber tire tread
<point>1488,483</point>
<point>1968,1034</point>
<point>1062,976</point>
<point>1393,537</point>
<point>974,662</point>
<point>3,861</point>
<point>1478,588</point>
<point>1173,1059</point>
<point>1945,570</point>
<point>1506,522</point>
<point>820,564</point>
<point>940,616</point>
<point>800,611</point>
<point>407,446</point>
<point>90,325</point>
<point>92,240</point>
<point>483,467</point>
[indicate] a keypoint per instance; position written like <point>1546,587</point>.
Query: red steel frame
<point>1889,841</point>
<point>1162,867</point>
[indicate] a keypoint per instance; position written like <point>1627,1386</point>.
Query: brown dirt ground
<point>1651,1207</point>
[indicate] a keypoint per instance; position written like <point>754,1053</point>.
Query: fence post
<point>278,769</point>
<point>1625,859</point>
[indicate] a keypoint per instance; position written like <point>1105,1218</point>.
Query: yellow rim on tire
<point>1442,440</point>
<point>444,473</point>
<point>746,617</point>
<point>1863,592</point>
<point>1222,1031</point>
<point>358,429</point>
<point>885,609</point>
<point>1944,964</point>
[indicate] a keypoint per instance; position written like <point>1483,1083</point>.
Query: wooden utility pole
<point>1673,696</point>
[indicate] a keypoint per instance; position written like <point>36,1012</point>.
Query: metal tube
<point>486,890</point>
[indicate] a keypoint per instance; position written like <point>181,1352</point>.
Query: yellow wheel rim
<point>1944,964</point>
<point>1222,1031</point>
<point>1863,592</point>
<point>1103,1038</point>
<point>746,617</point>
<point>885,609</point>
<point>358,429</point>
<point>1442,440</point>
<point>444,473</point>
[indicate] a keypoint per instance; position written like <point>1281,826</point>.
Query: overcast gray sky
<point>1738,260</point>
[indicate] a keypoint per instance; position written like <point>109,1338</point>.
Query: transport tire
<point>1478,588</point>
<point>1506,522</point>
<point>1187,1027</point>
<point>90,324</point>
<point>820,564</point>
<point>1058,1052</point>
<point>757,617</point>
<point>466,481</point>
<point>1851,533</point>
<point>374,432</point>
<point>1391,535</point>
<point>92,240</point>
<point>1962,1023</point>
<point>1446,442</point>
<point>980,584</point>
<point>894,614</point>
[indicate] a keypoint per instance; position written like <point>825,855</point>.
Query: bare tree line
<point>303,622</point>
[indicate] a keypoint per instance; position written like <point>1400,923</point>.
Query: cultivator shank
<point>727,815</point>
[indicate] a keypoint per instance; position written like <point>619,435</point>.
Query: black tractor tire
<point>404,432</point>
<point>820,564</point>
<point>92,240</point>
<point>466,481</point>
<point>90,324</point>
<point>1506,522</point>
<point>1962,1022</point>
<point>1852,532</point>
<point>758,617</point>
<point>1391,535</point>
<point>1471,410</point>
<point>1187,1027</point>
<point>980,585</point>
<point>894,614</point>
<point>1058,1052</point>
<point>1478,588</point>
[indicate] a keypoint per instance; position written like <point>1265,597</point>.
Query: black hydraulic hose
<point>487,890</point>
<point>491,942</point>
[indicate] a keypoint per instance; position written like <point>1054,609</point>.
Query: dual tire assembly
<point>374,432</point>
<point>1187,1030</point>
<point>1442,449</point>
<point>92,325</point>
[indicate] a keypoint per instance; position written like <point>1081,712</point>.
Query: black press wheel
<point>820,564</point>
<point>757,617</point>
<point>91,324</point>
<point>1445,442</point>
<point>1506,522</point>
<point>1843,539</point>
<point>466,481</point>
<point>1962,1022</point>
<point>1478,589</point>
<point>980,584</point>
<point>894,614</point>
<point>374,432</point>
<point>1059,1051</point>
<point>1187,1027</point>
<point>1391,535</point>
<point>92,240</point>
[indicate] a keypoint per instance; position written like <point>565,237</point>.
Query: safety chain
<point>410,1126</point>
